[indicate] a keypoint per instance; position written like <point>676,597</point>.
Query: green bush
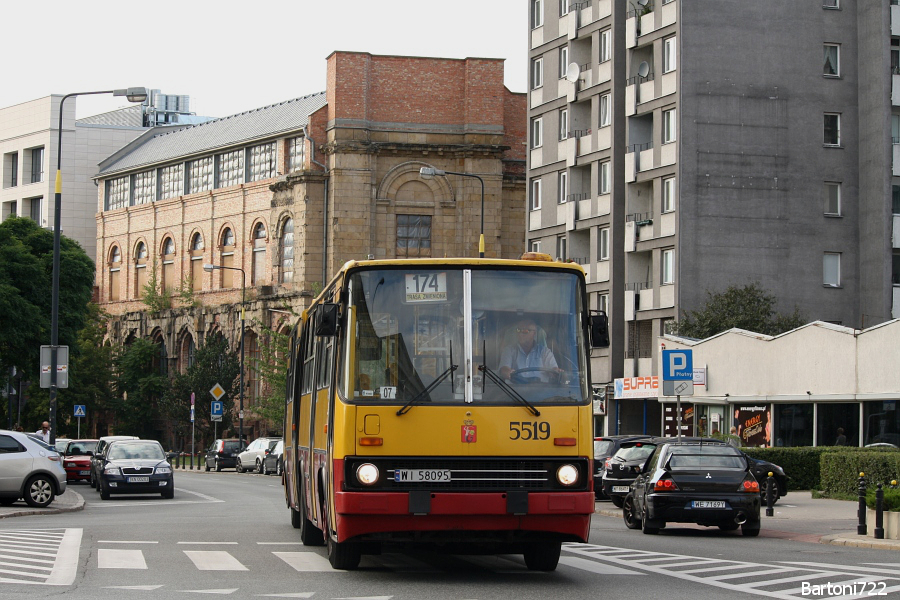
<point>840,470</point>
<point>803,464</point>
<point>890,502</point>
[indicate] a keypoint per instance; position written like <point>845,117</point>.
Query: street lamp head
<point>133,94</point>
<point>209,268</point>
<point>430,173</point>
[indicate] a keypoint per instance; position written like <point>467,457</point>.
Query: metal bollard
<point>861,511</point>
<point>770,494</point>
<point>879,513</point>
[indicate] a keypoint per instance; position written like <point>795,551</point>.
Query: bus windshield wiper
<point>405,408</point>
<point>508,389</point>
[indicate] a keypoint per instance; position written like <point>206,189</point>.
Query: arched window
<point>197,262</point>
<point>160,361</point>
<point>287,252</point>
<point>168,262</point>
<point>227,259</point>
<point>140,269</point>
<point>259,255</point>
<point>115,267</point>
<point>186,353</point>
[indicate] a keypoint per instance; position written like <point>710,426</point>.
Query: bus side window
<point>308,356</point>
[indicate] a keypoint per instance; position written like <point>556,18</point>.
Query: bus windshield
<point>451,335</point>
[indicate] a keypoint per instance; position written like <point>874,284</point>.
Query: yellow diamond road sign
<point>217,392</point>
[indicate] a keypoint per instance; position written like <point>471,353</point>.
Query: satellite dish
<point>572,72</point>
<point>643,2</point>
<point>643,69</point>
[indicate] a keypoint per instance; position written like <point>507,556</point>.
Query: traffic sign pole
<point>192,433</point>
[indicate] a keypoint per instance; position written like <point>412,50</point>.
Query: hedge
<point>805,471</point>
<point>891,499</point>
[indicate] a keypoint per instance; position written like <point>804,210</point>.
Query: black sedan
<point>136,467</point>
<point>694,482</point>
<point>623,468</point>
<point>761,469</point>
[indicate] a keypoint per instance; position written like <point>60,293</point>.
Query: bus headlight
<point>567,475</point>
<point>367,474</point>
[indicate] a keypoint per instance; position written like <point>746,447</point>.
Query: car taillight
<point>606,462</point>
<point>749,485</point>
<point>665,485</point>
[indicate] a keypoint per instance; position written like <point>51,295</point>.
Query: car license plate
<point>84,472</point>
<point>621,489</point>
<point>138,480</point>
<point>708,504</point>
<point>403,475</point>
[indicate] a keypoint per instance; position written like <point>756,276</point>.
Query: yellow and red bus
<point>402,425</point>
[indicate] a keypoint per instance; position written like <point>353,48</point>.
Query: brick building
<point>291,191</point>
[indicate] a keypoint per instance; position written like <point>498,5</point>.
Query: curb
<point>51,510</point>
<point>859,541</point>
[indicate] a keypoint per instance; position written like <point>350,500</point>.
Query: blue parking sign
<point>217,409</point>
<point>678,365</point>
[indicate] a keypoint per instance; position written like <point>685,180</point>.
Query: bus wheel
<point>542,556</point>
<point>310,535</point>
<point>343,555</point>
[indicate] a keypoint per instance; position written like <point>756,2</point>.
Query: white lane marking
<point>66,566</point>
<point>214,560</point>
<point>842,568</point>
<point>279,543</point>
<point>222,591</point>
<point>198,494</point>
<point>294,595</point>
<point>210,543</point>
<point>595,567</point>
<point>27,560</point>
<point>365,598</point>
<point>120,559</point>
<point>126,542</point>
<point>143,588</point>
<point>305,561</point>
<point>33,567</point>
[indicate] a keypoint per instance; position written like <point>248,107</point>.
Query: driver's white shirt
<point>515,357</point>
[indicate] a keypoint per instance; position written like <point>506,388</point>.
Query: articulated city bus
<point>443,401</point>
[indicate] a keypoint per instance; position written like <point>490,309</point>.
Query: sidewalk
<point>70,501</point>
<point>800,517</point>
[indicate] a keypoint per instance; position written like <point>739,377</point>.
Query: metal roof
<point>130,116</point>
<point>244,127</point>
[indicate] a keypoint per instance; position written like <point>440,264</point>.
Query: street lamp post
<point>135,94</point>
<point>209,269</point>
<point>431,172</point>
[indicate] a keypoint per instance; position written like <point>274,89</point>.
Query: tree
<point>749,307</point>
<point>139,377</point>
<point>271,368</point>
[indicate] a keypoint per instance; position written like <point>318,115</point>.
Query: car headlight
<point>163,470</point>
<point>112,471</point>
<point>567,475</point>
<point>367,474</point>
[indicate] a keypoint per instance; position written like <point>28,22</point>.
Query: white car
<point>29,469</point>
<point>252,458</point>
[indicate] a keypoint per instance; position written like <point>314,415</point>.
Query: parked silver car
<point>251,459</point>
<point>29,469</point>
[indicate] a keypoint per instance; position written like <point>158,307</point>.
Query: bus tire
<point>343,555</point>
<point>542,556</point>
<point>310,535</point>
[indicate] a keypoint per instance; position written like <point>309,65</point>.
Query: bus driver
<point>527,354</point>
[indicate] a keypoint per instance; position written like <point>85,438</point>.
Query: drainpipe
<point>312,159</point>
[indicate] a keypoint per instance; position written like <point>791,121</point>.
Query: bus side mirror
<point>328,320</point>
<point>599,330</point>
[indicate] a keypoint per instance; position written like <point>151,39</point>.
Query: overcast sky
<point>231,56</point>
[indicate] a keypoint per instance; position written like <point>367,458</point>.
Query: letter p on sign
<point>678,365</point>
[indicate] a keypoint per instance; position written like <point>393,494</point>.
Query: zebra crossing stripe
<point>214,560</point>
<point>120,559</point>
<point>305,561</point>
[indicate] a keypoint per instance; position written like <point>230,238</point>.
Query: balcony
<point>895,232</point>
<point>638,90</point>
<point>895,18</point>
<point>895,307</point>
<point>585,141</point>
<point>895,85</point>
<point>896,159</point>
<point>638,157</point>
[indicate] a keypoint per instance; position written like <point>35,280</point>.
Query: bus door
<point>319,472</point>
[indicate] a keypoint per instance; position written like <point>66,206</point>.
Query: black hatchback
<point>623,468</point>
<point>604,448</point>
<point>694,482</point>
<point>223,454</point>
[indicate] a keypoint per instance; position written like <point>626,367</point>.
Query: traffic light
<point>599,330</point>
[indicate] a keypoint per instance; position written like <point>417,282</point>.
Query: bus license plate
<point>404,475</point>
<point>138,480</point>
<point>708,504</point>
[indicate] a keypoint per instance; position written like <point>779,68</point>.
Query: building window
<point>831,269</point>
<point>140,269</point>
<point>605,110</point>
<point>227,258</point>
<point>258,274</point>
<point>144,187</point>
<point>563,187</point>
<point>537,132</point>
<point>605,45</point>
<point>604,177</point>
<point>34,210</point>
<point>668,195</point>
<point>537,73</point>
<point>197,262</point>
<point>116,193</point>
<point>563,7</point>
<point>200,175</point>
<point>413,236</point>
<point>535,194</point>
<point>11,169</point>
<point>831,3</point>
<point>832,129</point>
<point>10,209</point>
<point>832,66</point>
<point>668,266</point>
<point>603,246</point>
<point>37,165</point>
<point>168,262</point>
<point>230,168</point>
<point>668,126</point>
<point>171,181</point>
<point>563,123</point>
<point>287,251</point>
<point>603,302</point>
<point>895,199</point>
<point>297,154</point>
<point>562,248</point>
<point>535,245</point>
<point>670,54</point>
<point>833,198</point>
<point>537,13</point>
<point>563,61</point>
<point>262,162</point>
<point>115,267</point>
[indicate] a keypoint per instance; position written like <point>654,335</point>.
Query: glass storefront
<point>793,424</point>
<point>837,424</point>
<point>881,422</point>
